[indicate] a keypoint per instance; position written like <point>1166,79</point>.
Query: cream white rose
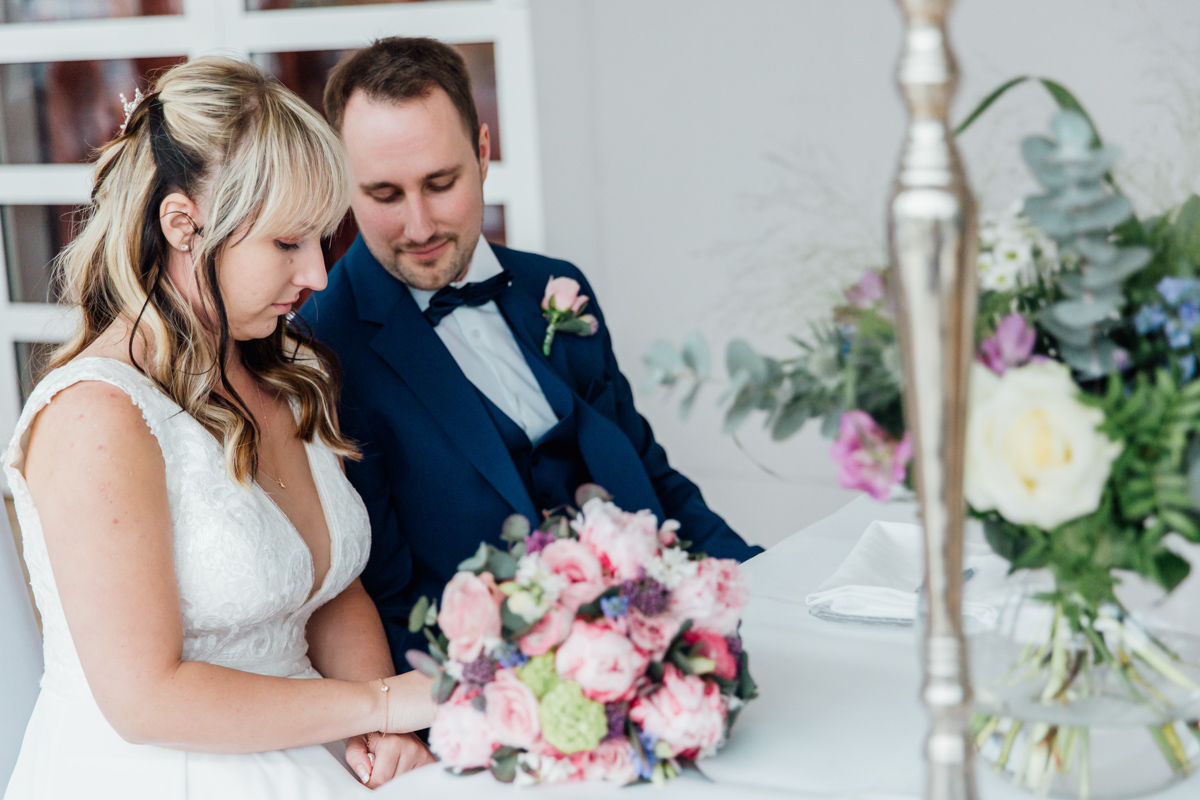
<point>1033,451</point>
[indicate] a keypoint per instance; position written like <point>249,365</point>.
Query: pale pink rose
<point>622,541</point>
<point>867,457</point>
<point>712,598</point>
<point>460,735</point>
<point>563,292</point>
<point>602,661</point>
<point>667,533</point>
<point>512,710</point>
<point>716,648</point>
<point>575,562</point>
<point>580,302</point>
<point>469,614</point>
<point>611,761</point>
<point>653,635</point>
<point>549,632</point>
<point>687,712</point>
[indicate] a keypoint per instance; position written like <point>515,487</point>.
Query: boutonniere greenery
<point>563,308</point>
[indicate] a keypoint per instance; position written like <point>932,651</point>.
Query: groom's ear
<point>485,150</point>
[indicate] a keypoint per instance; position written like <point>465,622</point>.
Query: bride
<point>192,542</point>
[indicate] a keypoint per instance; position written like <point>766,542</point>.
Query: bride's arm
<point>97,478</point>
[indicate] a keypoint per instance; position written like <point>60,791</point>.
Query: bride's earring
<point>183,247</point>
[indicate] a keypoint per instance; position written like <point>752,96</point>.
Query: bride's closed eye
<point>287,246</point>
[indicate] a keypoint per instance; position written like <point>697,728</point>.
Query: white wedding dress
<point>244,576</point>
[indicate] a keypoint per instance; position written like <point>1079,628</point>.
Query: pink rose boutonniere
<point>563,307</point>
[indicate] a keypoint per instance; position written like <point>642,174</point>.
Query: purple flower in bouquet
<point>614,607</point>
<point>1149,318</point>
<point>869,459</point>
<point>479,671</point>
<point>537,540</point>
<point>617,714</point>
<point>646,595</point>
<point>868,291</point>
<point>1010,346</point>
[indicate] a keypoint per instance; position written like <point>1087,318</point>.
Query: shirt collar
<point>484,265</point>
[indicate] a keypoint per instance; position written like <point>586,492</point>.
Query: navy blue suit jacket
<point>435,474</point>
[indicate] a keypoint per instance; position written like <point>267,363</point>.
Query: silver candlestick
<point>932,237</point>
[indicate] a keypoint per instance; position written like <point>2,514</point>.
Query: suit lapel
<point>411,347</point>
<point>525,320</point>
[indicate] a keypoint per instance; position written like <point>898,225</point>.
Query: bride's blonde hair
<point>255,158</point>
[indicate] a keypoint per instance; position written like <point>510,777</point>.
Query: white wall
<point>665,127</point>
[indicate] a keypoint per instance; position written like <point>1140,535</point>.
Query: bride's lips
<point>429,253</point>
<point>283,308</point>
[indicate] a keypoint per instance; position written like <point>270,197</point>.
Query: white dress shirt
<point>486,351</point>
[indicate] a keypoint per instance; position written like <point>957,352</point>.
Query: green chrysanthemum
<point>570,721</point>
<point>539,675</point>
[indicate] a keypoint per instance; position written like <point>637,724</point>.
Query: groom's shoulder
<point>533,270</point>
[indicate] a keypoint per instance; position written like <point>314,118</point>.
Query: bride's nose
<point>310,269</point>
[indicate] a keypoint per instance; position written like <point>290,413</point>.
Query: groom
<point>461,418</point>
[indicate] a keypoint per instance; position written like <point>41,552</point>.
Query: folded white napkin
<point>878,581</point>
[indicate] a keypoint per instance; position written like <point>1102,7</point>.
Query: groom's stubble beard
<point>417,277</point>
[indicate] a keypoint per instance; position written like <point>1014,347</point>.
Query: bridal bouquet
<point>594,648</point>
<point>1083,437</point>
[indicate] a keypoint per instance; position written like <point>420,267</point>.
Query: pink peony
<point>712,598</point>
<point>563,294</point>
<point>1010,346</point>
<point>575,562</point>
<point>611,761</point>
<point>687,712</point>
<point>602,661</point>
<point>716,648</point>
<point>469,614</point>
<point>622,541</point>
<point>653,635</point>
<point>460,735</point>
<point>548,633</point>
<point>666,534</point>
<point>512,710</point>
<point>869,458</point>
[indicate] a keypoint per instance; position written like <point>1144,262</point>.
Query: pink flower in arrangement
<point>575,562</point>
<point>470,613</point>
<point>548,633</point>
<point>1010,346</point>
<point>868,457</point>
<point>461,736</point>
<point>601,660</point>
<point>512,710</point>
<point>611,761</point>
<point>687,712</point>
<point>712,598</point>
<point>714,647</point>
<point>868,291</point>
<point>622,541</point>
<point>563,294</point>
<point>667,533</point>
<point>653,635</point>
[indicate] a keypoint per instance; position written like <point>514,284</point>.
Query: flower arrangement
<point>1083,437</point>
<point>593,648</point>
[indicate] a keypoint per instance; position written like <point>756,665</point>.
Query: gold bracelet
<point>383,687</point>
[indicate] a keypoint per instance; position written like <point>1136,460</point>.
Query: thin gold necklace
<point>263,415</point>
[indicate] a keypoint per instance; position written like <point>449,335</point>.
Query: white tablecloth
<point>838,715</point>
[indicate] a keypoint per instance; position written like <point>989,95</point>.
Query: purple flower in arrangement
<point>614,607</point>
<point>479,671</point>
<point>1174,289</point>
<point>868,458</point>
<point>735,645</point>
<point>510,656</point>
<point>1010,346</point>
<point>617,714</point>
<point>646,595</point>
<point>1189,315</point>
<point>868,291</point>
<point>1149,318</point>
<point>1177,335</point>
<point>645,765</point>
<point>537,540</point>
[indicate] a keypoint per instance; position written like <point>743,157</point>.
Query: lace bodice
<point>243,570</point>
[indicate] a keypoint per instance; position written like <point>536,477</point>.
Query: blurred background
<point>712,165</point>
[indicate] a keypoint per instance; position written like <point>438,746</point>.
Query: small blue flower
<point>1187,367</point>
<point>508,655</point>
<point>645,766</point>
<point>1149,318</point>
<point>1173,289</point>
<point>1177,335</point>
<point>614,607</point>
<point>1189,316</point>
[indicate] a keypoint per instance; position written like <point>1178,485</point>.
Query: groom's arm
<point>680,498</point>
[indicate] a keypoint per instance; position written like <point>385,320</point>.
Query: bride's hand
<point>392,754</point>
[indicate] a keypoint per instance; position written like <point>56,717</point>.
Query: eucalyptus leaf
<point>443,687</point>
<point>590,491</point>
<point>696,355</point>
<point>416,617</point>
<point>423,663</point>
<point>478,562</point>
<point>664,356</point>
<point>689,399</point>
<point>515,529</point>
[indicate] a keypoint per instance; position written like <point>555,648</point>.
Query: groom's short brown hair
<point>399,68</point>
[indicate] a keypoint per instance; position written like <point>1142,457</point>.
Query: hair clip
<point>129,106</point>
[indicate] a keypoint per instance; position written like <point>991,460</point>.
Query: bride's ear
<point>180,220</point>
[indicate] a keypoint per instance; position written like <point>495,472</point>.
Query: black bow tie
<point>449,298</point>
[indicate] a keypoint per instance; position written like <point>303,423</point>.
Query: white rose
<point>1033,451</point>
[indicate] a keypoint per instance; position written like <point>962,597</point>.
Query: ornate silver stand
<point>932,235</point>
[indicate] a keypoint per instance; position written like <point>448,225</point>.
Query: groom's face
<point>418,187</point>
